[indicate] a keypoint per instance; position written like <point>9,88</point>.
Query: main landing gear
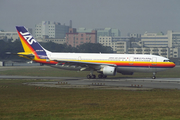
<point>102,76</point>
<point>154,75</point>
<point>91,76</point>
<point>94,76</point>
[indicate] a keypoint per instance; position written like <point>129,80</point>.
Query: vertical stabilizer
<point>30,45</point>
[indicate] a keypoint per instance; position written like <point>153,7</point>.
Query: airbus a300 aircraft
<point>105,64</point>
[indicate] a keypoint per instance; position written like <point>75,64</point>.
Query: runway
<point>111,83</point>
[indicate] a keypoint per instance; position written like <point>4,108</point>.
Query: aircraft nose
<point>173,64</point>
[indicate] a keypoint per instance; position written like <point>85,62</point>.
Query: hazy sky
<point>134,16</point>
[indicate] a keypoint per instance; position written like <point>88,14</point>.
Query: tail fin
<point>30,45</point>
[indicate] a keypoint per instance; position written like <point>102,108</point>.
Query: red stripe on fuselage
<point>45,62</point>
<point>136,64</point>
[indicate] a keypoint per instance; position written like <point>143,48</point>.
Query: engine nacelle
<point>108,70</point>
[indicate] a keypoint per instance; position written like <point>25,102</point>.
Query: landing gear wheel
<point>100,76</point>
<point>93,76</point>
<point>88,76</point>
<point>104,76</point>
<point>154,77</point>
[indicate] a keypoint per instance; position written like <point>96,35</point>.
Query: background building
<point>119,44</point>
<point>154,51</point>
<point>107,41</point>
<point>107,32</point>
<point>167,45</point>
<point>75,38</point>
<point>51,29</point>
<point>154,40</point>
<point>174,39</point>
<point>84,30</point>
<point>122,47</point>
<point>55,40</point>
<point>13,36</point>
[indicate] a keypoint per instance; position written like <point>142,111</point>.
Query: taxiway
<point>73,82</point>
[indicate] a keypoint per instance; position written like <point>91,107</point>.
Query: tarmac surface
<point>109,83</point>
<point>122,83</point>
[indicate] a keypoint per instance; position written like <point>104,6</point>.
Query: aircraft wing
<point>84,64</point>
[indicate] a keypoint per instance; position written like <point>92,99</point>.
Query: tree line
<point>15,47</point>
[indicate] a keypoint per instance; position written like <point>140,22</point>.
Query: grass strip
<point>18,101</point>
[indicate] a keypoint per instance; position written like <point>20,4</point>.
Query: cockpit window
<point>166,60</point>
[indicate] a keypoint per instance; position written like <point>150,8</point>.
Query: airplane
<point>105,64</point>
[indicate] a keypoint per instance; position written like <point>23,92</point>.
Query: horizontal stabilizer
<point>22,54</point>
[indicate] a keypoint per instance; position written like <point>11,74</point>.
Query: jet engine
<point>108,70</point>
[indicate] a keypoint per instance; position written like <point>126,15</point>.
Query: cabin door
<point>131,60</point>
<point>153,64</point>
<point>79,58</point>
<point>154,61</point>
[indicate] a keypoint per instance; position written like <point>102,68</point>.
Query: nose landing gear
<point>154,75</point>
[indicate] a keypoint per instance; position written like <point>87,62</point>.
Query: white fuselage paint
<point>114,58</point>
